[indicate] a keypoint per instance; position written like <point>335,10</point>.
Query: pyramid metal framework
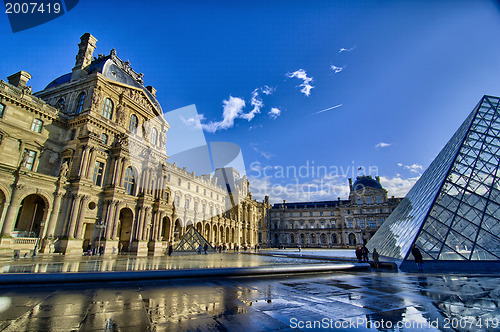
<point>452,213</point>
<point>191,241</point>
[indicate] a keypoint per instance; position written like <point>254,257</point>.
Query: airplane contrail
<point>327,109</point>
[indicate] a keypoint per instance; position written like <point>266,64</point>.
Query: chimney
<point>151,90</point>
<point>19,79</point>
<point>350,184</point>
<point>378,178</point>
<point>84,56</point>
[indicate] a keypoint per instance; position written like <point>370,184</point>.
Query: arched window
<point>133,123</point>
<point>154,136</point>
<point>79,103</point>
<point>129,181</point>
<point>60,104</point>
<point>107,108</point>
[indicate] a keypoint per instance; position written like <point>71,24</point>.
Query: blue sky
<point>394,79</point>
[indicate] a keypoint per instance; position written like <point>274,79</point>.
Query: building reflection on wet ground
<point>361,301</point>
<point>50,264</point>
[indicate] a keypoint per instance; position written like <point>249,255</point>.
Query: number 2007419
<point>32,8</point>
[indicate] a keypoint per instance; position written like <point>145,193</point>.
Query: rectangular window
<point>30,157</point>
<point>321,213</point>
<point>372,224</point>
<point>358,201</point>
<point>350,223</point>
<point>381,220</point>
<point>362,223</point>
<point>332,213</point>
<point>379,199</point>
<point>2,108</point>
<point>36,126</point>
<point>104,138</point>
<point>98,172</point>
<point>368,200</point>
<point>291,214</point>
<point>310,214</point>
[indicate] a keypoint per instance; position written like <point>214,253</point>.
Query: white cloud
<point>232,108</point>
<point>327,109</point>
<point>398,186</point>
<point>264,154</point>
<point>257,104</point>
<point>267,90</point>
<point>193,121</point>
<point>306,86</point>
<point>346,49</point>
<point>382,145</point>
<point>415,168</point>
<point>336,69</point>
<point>274,113</point>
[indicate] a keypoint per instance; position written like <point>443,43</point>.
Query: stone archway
<point>165,231</point>
<point>352,239</point>
<point>199,227</point>
<point>126,220</point>
<point>3,201</point>
<point>32,212</point>
<point>177,230</point>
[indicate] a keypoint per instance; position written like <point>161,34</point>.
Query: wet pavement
<point>59,263</point>
<point>367,300</point>
<point>360,301</point>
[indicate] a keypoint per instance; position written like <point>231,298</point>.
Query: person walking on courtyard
<point>418,257</point>
<point>364,253</point>
<point>206,248</point>
<point>199,249</point>
<point>120,248</point>
<point>358,254</point>
<point>300,248</point>
<point>170,249</point>
<point>375,257</point>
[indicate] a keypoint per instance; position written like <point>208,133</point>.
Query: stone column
<point>74,214</point>
<point>90,163</point>
<point>83,161</point>
<point>51,225</point>
<point>122,173</point>
<point>12,209</point>
<point>79,231</point>
<point>116,218</point>
<point>140,220</point>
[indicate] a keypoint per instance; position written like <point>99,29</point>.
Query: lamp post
<point>100,224</point>
<point>38,240</point>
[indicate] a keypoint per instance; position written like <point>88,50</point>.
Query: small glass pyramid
<point>191,242</point>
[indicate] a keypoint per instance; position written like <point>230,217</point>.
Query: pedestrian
<point>359,256</point>
<point>364,253</point>
<point>199,249</point>
<point>205,247</point>
<point>300,248</point>
<point>418,257</point>
<point>170,249</point>
<point>375,257</point>
<point>89,249</point>
<point>120,248</point>
<point>101,250</point>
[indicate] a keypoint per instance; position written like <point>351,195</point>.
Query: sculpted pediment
<point>137,96</point>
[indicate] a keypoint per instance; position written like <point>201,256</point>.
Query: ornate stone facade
<point>84,162</point>
<point>333,224</point>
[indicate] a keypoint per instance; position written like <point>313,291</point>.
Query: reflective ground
<point>42,264</point>
<point>361,301</point>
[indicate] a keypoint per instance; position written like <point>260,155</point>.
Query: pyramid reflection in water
<point>453,212</point>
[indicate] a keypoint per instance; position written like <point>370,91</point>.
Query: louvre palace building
<point>84,161</point>
<point>333,224</point>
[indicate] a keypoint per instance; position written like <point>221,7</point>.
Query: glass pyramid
<point>192,240</point>
<point>452,213</point>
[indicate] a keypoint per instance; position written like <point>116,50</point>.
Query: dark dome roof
<point>113,68</point>
<point>366,181</point>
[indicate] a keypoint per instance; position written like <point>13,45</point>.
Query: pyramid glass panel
<point>452,213</point>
